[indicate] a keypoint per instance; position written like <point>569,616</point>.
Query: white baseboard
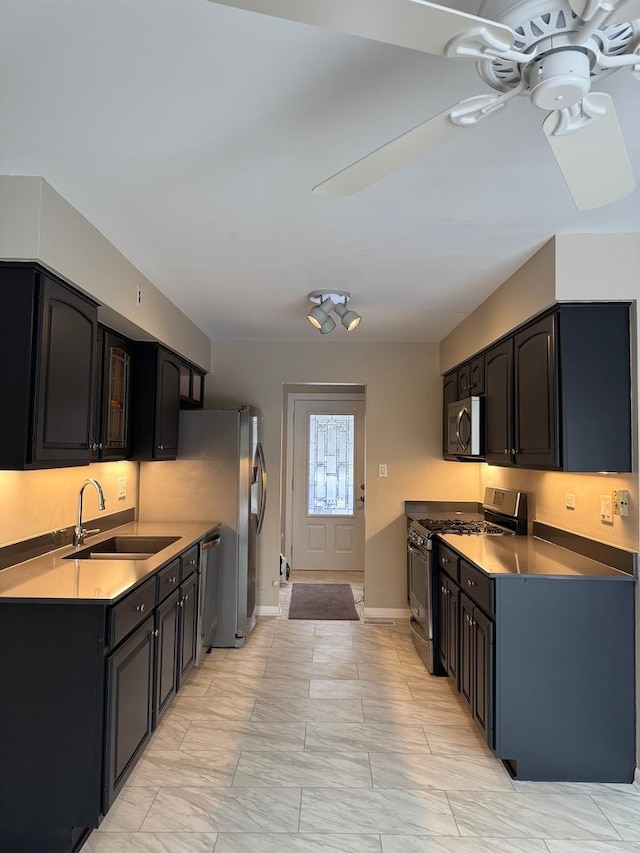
<point>388,612</point>
<point>268,610</point>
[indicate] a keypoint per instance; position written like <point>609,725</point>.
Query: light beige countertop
<point>498,556</point>
<point>52,578</point>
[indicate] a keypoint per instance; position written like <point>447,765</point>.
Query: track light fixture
<point>326,301</point>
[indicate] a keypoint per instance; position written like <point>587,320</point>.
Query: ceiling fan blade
<point>593,157</point>
<point>415,24</point>
<point>623,10</point>
<point>409,146</point>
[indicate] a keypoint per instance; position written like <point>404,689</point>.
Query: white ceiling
<point>191,134</point>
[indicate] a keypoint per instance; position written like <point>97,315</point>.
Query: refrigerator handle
<point>262,479</point>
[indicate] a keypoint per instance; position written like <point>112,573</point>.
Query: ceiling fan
<point>549,50</point>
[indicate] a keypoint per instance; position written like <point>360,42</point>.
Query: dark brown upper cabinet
<point>156,402</point>
<point>471,378</point>
<point>191,387</point>
<point>114,397</point>
<point>558,391</point>
<point>48,334</point>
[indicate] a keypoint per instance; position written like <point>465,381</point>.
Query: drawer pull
<point>181,603</point>
<point>445,560</point>
<point>191,563</point>
<point>139,608</point>
<point>156,633</point>
<point>186,597</point>
<point>471,583</point>
<point>172,580</point>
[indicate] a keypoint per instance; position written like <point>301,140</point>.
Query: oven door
<point>420,603</point>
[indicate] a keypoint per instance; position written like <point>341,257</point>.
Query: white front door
<point>328,485</point>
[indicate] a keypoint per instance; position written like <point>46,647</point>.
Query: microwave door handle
<point>464,412</point>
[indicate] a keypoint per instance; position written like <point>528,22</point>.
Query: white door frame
<point>311,396</point>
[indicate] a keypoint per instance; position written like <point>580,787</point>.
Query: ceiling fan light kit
<point>552,51</point>
<point>327,301</point>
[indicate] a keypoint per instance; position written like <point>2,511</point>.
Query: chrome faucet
<point>79,533</point>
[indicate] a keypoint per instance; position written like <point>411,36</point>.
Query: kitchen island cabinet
<point>88,653</point>
<point>546,657</point>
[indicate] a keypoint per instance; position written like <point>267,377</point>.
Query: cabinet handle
<point>181,603</point>
<point>139,608</point>
<point>156,633</point>
<point>191,563</point>
<point>471,621</point>
<point>186,597</point>
<point>445,561</point>
<point>506,451</point>
<point>94,446</point>
<point>172,580</point>
<point>100,446</point>
<point>471,583</point>
<point>161,447</point>
<point>514,451</point>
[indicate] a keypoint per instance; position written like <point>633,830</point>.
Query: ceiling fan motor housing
<point>559,79</point>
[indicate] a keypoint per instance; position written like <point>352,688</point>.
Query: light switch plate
<point>382,470</point>
<point>606,509</point>
<point>122,488</point>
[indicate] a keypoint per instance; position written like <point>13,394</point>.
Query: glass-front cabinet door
<point>113,441</point>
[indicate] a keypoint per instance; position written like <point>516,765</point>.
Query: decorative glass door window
<point>331,464</point>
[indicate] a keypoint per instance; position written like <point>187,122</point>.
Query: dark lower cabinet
<point>167,635</point>
<point>546,665</point>
<point>188,626</point>
<point>130,682</point>
<point>449,622</point>
<point>476,665</point>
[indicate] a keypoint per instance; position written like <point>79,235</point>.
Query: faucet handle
<point>86,532</point>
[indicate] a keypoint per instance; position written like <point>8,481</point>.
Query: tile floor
<point>331,736</point>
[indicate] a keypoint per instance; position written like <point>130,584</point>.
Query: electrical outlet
<point>122,488</point>
<point>382,470</point>
<point>570,501</point>
<point>621,502</point>
<point>606,509</point>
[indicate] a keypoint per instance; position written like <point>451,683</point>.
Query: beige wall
<point>36,223</point>
<point>403,429</point>
<point>529,290</point>
<point>36,502</point>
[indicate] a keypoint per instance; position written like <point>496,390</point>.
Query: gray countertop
<point>499,556</point>
<point>52,578</point>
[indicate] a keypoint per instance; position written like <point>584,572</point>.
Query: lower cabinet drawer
<point>168,579</point>
<point>448,561</point>
<point>477,586</point>
<point>188,563</point>
<point>132,610</point>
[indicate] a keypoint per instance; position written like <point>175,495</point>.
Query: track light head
<point>327,301</point>
<point>349,319</point>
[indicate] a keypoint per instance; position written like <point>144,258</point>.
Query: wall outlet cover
<point>570,500</point>
<point>606,509</point>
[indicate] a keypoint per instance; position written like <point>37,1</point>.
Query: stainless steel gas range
<point>504,512</point>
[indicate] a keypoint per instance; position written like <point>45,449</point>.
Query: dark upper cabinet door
<point>167,405</point>
<point>482,665</point>
<point>129,706</point>
<point>449,395</point>
<point>155,407</point>
<point>188,626</point>
<point>466,650</point>
<point>65,377</point>
<point>536,433</point>
<point>471,378</point>
<point>498,409</point>
<point>166,666</point>
<point>114,397</point>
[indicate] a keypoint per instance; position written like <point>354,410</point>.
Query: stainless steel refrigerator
<point>219,476</point>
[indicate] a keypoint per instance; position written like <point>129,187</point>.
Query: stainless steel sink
<point>124,548</point>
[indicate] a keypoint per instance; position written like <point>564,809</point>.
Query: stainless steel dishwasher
<point>209,594</point>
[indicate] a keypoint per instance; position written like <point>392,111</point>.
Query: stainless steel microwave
<point>464,433</point>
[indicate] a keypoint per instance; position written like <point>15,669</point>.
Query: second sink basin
<point>124,548</point>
